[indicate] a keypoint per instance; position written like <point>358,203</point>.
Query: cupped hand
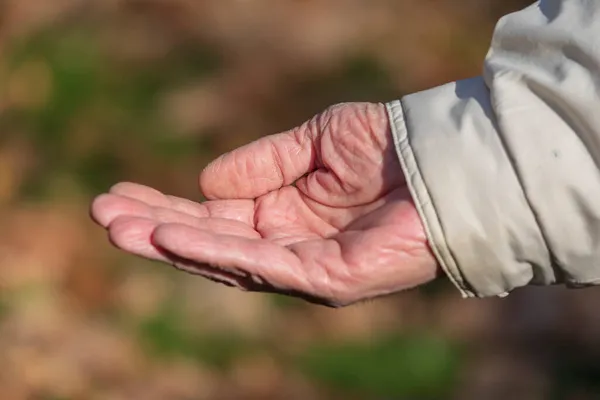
<point>321,212</point>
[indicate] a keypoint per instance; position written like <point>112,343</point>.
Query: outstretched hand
<point>321,212</point>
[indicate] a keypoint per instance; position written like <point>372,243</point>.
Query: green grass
<point>163,337</point>
<point>114,98</point>
<point>411,366</point>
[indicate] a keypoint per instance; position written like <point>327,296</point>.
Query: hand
<point>321,212</point>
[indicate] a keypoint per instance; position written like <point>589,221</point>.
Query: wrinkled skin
<point>321,212</point>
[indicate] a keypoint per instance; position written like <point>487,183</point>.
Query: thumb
<point>262,166</point>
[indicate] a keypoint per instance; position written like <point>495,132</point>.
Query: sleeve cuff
<point>422,200</point>
<point>478,222</point>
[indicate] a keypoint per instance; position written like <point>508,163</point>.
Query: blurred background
<point>96,92</point>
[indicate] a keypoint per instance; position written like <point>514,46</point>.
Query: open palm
<point>321,212</point>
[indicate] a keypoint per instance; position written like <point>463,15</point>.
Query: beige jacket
<point>504,168</point>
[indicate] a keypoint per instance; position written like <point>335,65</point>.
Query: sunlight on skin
<point>346,232</point>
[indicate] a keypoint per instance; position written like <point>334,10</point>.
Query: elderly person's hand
<point>321,212</point>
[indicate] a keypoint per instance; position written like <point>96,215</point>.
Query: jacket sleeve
<point>504,168</point>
